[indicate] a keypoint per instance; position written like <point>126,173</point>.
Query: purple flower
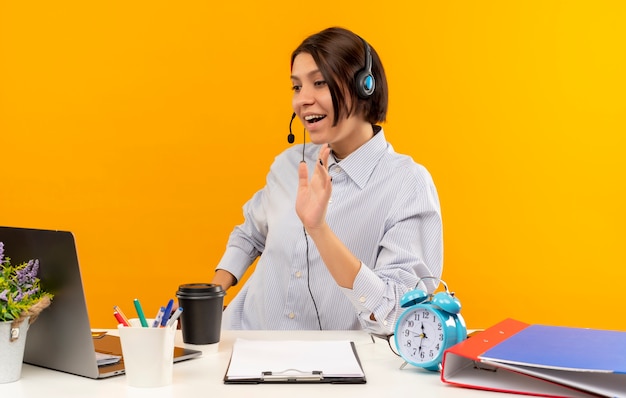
<point>31,291</point>
<point>19,286</point>
<point>26,276</point>
<point>18,295</point>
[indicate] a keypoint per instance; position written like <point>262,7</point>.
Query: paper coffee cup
<point>201,320</point>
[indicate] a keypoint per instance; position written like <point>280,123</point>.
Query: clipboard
<point>294,361</point>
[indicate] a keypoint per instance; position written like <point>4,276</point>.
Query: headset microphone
<point>291,138</point>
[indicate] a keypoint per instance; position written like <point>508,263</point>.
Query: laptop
<point>61,337</point>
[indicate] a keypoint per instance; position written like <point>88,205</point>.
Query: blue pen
<point>142,317</point>
<point>168,312</point>
<point>175,316</point>
<point>158,317</point>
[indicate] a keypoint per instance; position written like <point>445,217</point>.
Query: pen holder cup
<point>148,353</point>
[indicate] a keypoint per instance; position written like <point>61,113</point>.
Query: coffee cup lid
<point>200,289</point>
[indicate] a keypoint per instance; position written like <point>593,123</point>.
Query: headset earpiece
<point>364,79</point>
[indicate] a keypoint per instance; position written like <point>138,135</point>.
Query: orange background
<point>144,126</point>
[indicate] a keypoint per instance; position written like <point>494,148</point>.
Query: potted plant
<point>21,301</point>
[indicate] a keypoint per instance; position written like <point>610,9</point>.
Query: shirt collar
<point>360,164</point>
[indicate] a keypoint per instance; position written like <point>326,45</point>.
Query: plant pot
<point>12,344</point>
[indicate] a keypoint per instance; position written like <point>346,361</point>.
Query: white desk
<point>203,377</point>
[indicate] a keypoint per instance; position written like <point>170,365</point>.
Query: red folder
<point>546,361</point>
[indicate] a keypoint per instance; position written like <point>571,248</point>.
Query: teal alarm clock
<point>430,324</point>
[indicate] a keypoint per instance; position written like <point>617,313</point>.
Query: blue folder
<point>542,360</point>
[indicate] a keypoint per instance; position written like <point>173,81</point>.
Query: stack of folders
<point>262,361</point>
<point>541,360</point>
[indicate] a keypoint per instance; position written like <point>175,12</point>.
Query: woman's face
<point>313,104</point>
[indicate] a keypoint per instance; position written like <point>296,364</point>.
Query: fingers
<point>313,195</point>
<point>303,175</point>
<point>323,155</point>
<point>320,170</point>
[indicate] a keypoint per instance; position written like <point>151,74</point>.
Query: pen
<point>158,317</point>
<point>124,317</point>
<point>168,312</point>
<point>120,319</point>
<point>142,317</point>
<point>175,316</point>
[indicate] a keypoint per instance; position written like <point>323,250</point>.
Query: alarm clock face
<point>422,335</point>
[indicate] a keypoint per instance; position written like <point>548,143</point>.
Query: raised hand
<point>313,196</point>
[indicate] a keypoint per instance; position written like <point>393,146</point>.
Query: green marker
<point>142,317</point>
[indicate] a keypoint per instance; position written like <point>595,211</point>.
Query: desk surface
<point>203,377</point>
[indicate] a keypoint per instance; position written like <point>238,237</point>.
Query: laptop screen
<point>61,335</point>
<point>60,338</point>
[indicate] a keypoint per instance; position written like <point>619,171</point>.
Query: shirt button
<point>292,315</point>
<point>362,299</point>
<point>385,323</point>
<point>298,274</point>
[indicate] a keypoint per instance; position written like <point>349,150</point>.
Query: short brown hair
<point>340,54</point>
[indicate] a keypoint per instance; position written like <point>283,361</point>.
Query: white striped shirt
<point>384,207</point>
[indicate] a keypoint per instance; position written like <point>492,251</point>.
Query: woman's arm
<point>311,206</point>
<point>224,278</point>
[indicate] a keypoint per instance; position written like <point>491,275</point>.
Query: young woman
<point>344,226</point>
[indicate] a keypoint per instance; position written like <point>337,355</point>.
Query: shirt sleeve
<point>246,241</point>
<point>411,248</point>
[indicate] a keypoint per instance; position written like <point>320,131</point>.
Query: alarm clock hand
<point>421,335</point>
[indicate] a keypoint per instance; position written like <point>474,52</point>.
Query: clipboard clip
<point>293,375</point>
